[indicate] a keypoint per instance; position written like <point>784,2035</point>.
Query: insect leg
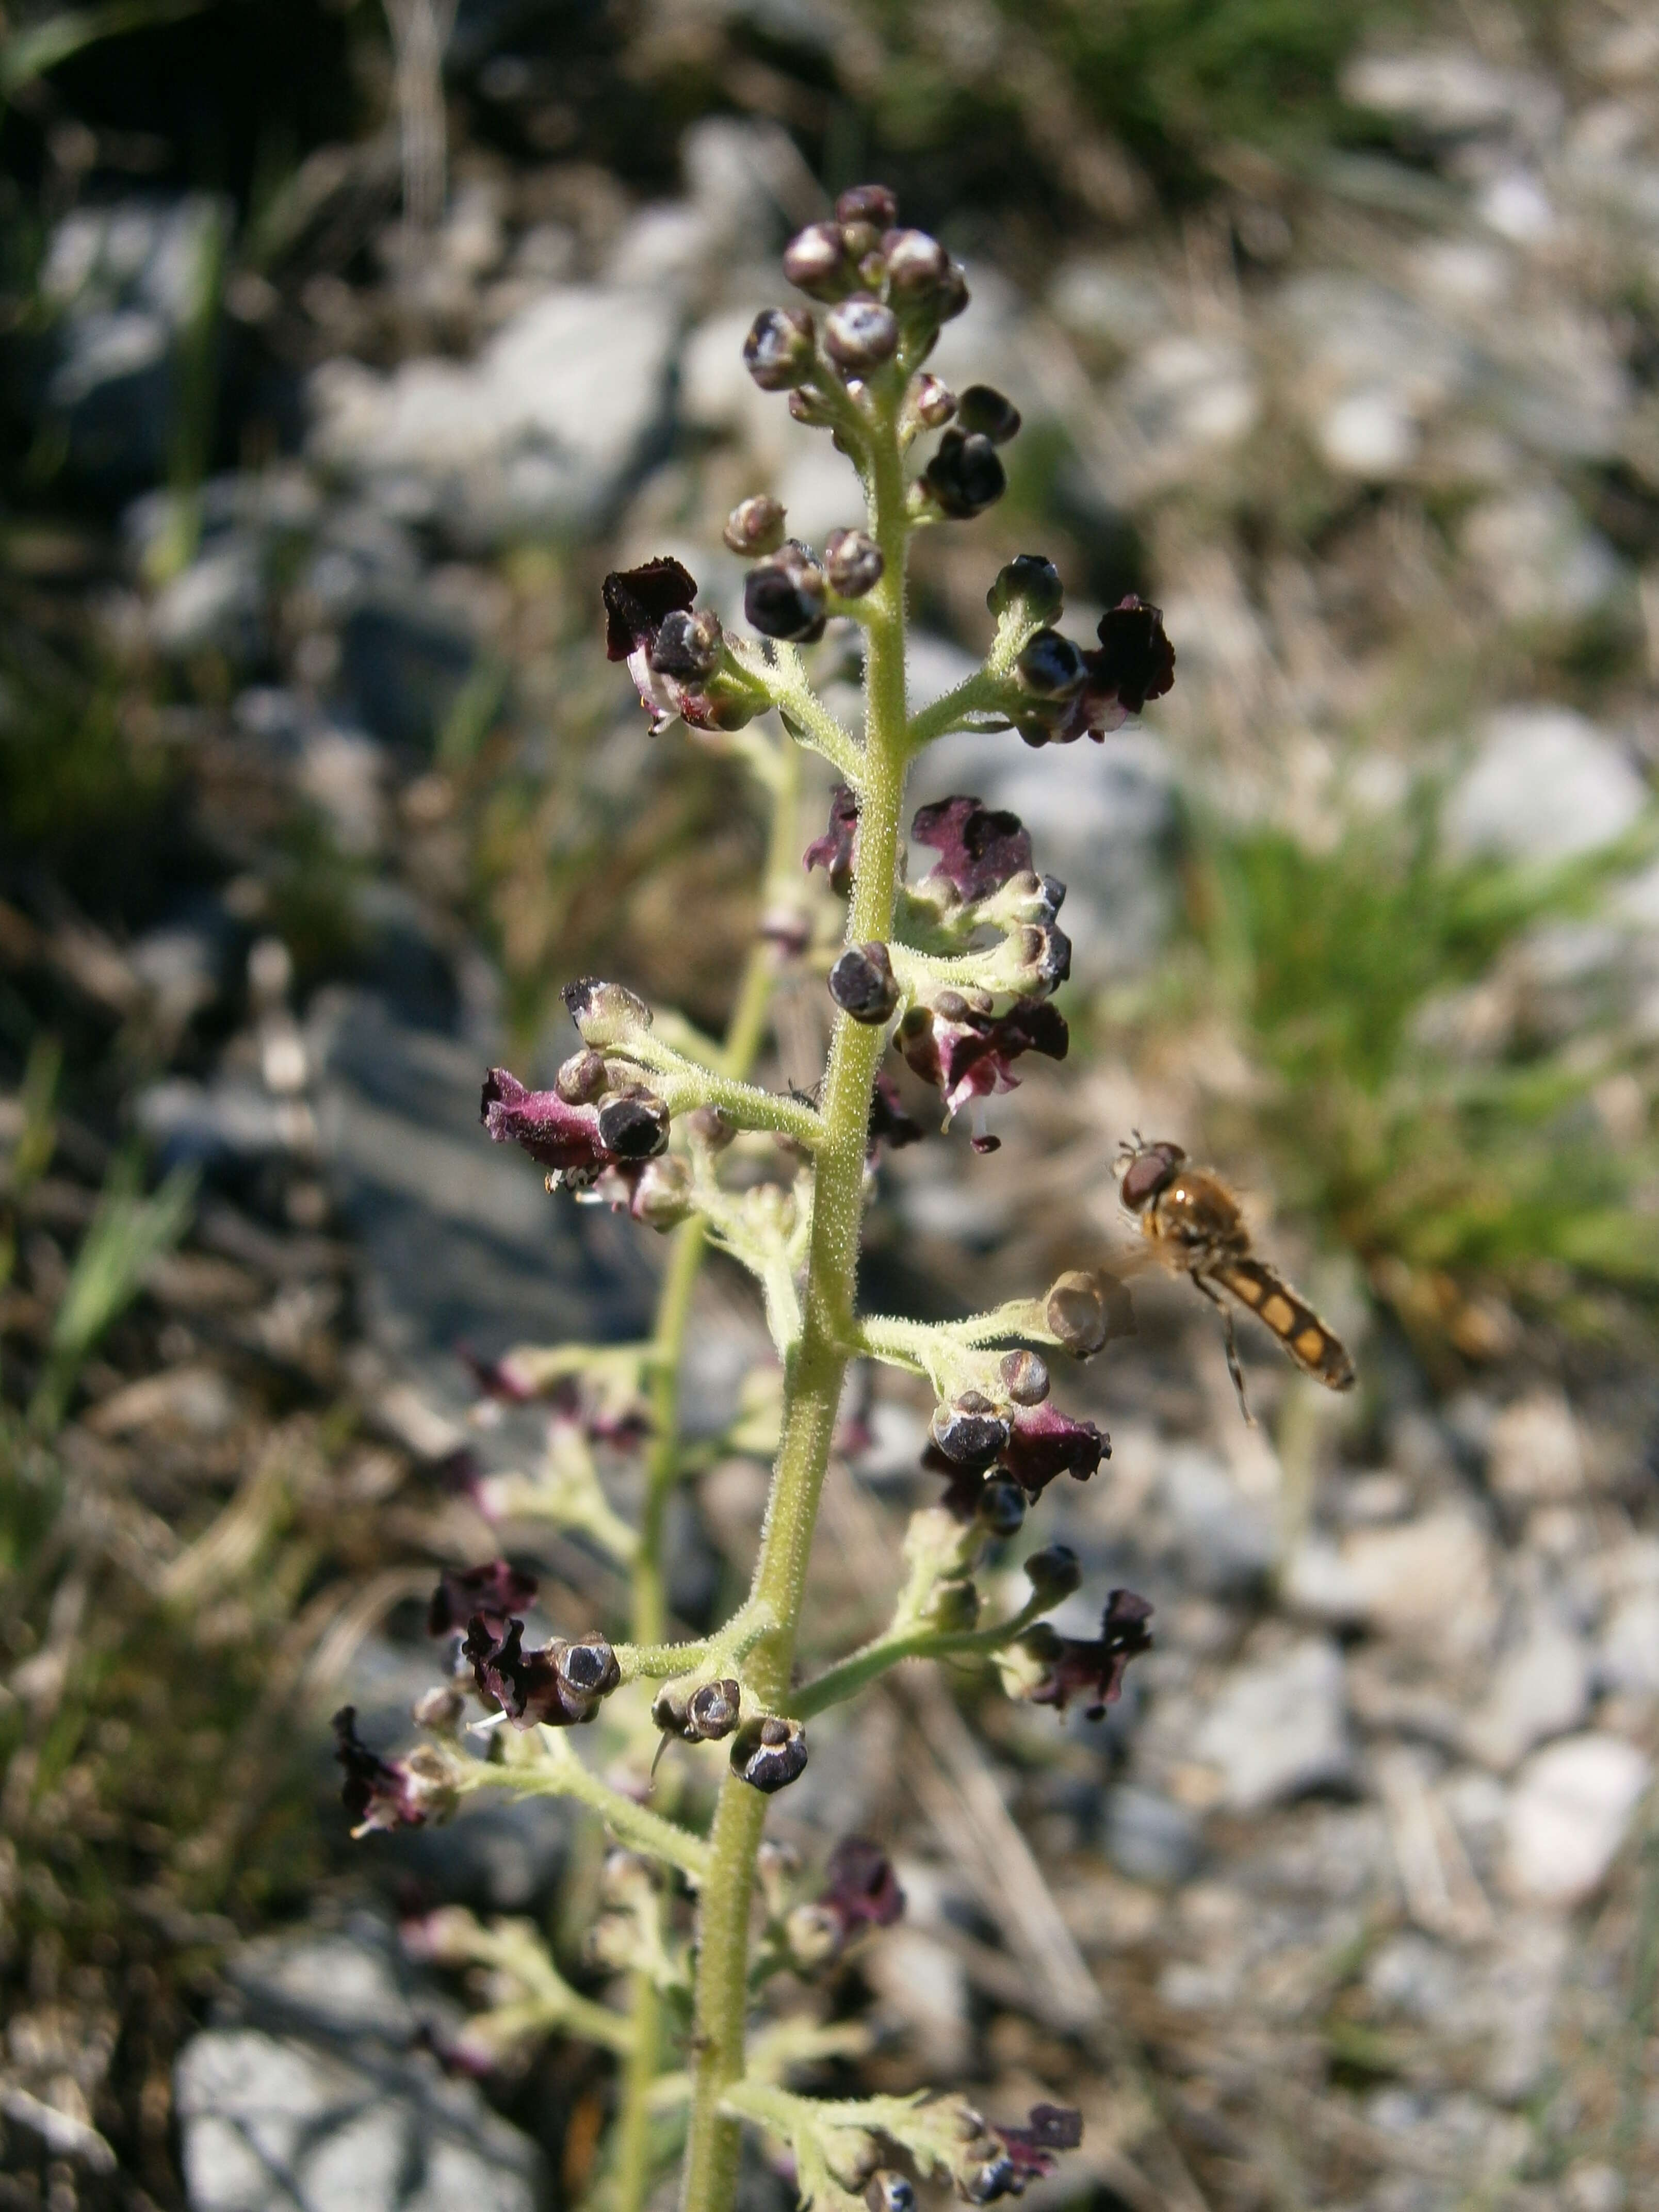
<point>1231,1341</point>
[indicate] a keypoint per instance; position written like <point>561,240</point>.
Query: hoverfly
<point>1195,1223</point>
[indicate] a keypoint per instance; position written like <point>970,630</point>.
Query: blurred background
<point>342,349</point>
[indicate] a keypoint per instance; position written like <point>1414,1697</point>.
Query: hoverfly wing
<point>1313,1347</point>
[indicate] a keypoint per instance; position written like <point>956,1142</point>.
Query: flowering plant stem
<point>649,1593</point>
<point>817,1366</point>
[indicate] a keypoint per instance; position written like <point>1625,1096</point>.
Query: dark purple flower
<point>965,475</point>
<point>970,1055</point>
<point>1134,663</point>
<point>861,1890</point>
<point>559,1685</point>
<point>1043,1443</point>
<point>493,1592</point>
<point>1076,1665</point>
<point>636,600</point>
<point>980,848</point>
<point>576,1142</point>
<point>890,1124</point>
<point>1049,2128</point>
<point>388,1793</point>
<point>836,851</point>
<point>675,657</point>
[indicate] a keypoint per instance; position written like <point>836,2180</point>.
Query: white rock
<point>1541,561</point>
<point>1183,401</point>
<point>1431,1577</point>
<point>213,605</point>
<point>1280,1728</point>
<point>1541,1689</point>
<point>921,1986</point>
<point>1371,434</point>
<point>1545,785</point>
<point>1453,92</point>
<point>1629,1657</point>
<point>1568,1816</point>
<point>1535,1454</point>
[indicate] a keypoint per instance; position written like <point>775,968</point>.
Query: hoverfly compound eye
<point>1149,1170</point>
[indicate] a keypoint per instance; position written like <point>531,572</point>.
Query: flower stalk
<point>953,975</point>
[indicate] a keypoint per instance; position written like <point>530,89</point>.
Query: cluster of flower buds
<point>1050,1669</point>
<point>598,1131</point>
<point>1059,692</point>
<point>1028,1443</point>
<point>557,1685</point>
<point>966,474</point>
<point>860,1890</point>
<point>1003,2161</point>
<point>677,657</point>
<point>391,1793</point>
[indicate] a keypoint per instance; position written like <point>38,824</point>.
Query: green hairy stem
<point>817,1366</point>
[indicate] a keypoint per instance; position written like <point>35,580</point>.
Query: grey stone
<point>1432,1576</point>
<point>1450,93</point>
<point>1227,1541</point>
<point>1149,1837</point>
<point>1280,1728</point>
<point>270,2121</point>
<point>1542,565</point>
<point>213,606</point>
<point>1545,784</point>
<point>124,280</point>
<point>539,432</point>
<point>1540,1688</point>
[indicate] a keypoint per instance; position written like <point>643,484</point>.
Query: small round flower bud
<point>1031,582</point>
<point>711,1711</point>
<point>709,1127</point>
<point>755,526</point>
<point>984,409</point>
<point>953,294</point>
<point>860,334</point>
<point>954,1606</point>
<point>983,2183</point>
<point>888,2191</point>
<point>932,403</point>
<point>1054,1573</point>
<point>784,597</point>
<point>853,562</point>
<point>440,1708</point>
<point>581,1078</point>
<point>634,1126</point>
<point>588,1669</point>
<point>668,1708</point>
<point>662,1196</point>
<point>969,1430</point>
<point>1076,1313</point>
<point>871,204</point>
<point>769,1755</point>
<point>605,1013</point>
<point>778,351</point>
<point>1002,1507</point>
<point>815,1936</point>
<point>862,983</point>
<point>816,262</point>
<point>687,644</point>
<point>965,475</point>
<point>810,408</point>
<point>1050,667</point>
<point>1024,1377</point>
<point>918,267</point>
